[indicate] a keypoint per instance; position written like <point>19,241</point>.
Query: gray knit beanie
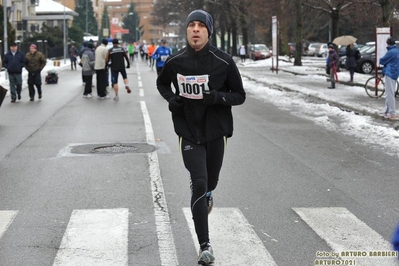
<point>204,17</point>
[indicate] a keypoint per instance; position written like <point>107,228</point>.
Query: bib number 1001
<point>194,88</point>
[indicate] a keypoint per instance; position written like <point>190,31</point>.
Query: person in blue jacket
<point>160,54</point>
<point>390,61</point>
<point>14,61</point>
<point>395,239</point>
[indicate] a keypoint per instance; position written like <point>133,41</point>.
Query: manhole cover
<point>112,148</point>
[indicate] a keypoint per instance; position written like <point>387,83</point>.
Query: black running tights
<point>203,162</point>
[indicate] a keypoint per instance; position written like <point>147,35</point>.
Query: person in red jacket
<point>206,85</point>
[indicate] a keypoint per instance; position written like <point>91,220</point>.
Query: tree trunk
<point>299,48</point>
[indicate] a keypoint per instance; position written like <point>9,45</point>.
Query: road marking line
<point>6,218</point>
<point>343,232</point>
<point>167,249</point>
<point>226,226</point>
<point>95,237</point>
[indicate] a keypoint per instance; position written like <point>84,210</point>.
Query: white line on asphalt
<point>344,232</point>
<point>167,249</point>
<point>140,84</point>
<point>95,237</point>
<point>226,225</point>
<point>6,218</point>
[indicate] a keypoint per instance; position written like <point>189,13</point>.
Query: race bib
<point>192,87</point>
<point>164,57</point>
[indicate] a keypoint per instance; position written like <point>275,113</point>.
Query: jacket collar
<point>203,51</point>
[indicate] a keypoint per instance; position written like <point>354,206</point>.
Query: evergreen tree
<point>105,24</point>
<point>132,22</point>
<point>75,34</point>
<point>85,20</point>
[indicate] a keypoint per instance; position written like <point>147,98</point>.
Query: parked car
<point>322,50</point>
<point>312,49</point>
<point>259,51</point>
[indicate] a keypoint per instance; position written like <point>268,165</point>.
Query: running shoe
<point>209,201</point>
<point>116,98</point>
<point>205,256</point>
<point>128,89</point>
<point>89,95</point>
<point>391,117</point>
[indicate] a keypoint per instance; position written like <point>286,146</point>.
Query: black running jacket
<point>197,121</point>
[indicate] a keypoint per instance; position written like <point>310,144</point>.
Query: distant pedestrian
<point>150,49</point>
<point>117,56</point>
<point>100,67</point>
<point>243,53</point>
<point>160,55</point>
<point>88,61</point>
<point>35,63</point>
<point>390,61</point>
<point>14,61</point>
<point>130,49</point>
<point>332,63</point>
<point>73,56</point>
<point>352,54</point>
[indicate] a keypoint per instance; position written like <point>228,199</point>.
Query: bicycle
<point>375,86</point>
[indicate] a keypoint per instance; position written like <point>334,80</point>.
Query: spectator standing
<point>243,53</point>
<point>206,84</point>
<point>14,61</point>
<point>88,61</point>
<point>100,67</point>
<point>332,63</point>
<point>161,54</point>
<point>117,55</point>
<point>390,61</point>
<point>73,56</point>
<point>35,62</point>
<point>352,54</point>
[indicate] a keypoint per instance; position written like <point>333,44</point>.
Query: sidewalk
<point>311,79</point>
<point>4,81</point>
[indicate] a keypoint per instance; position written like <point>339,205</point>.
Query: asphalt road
<point>288,188</point>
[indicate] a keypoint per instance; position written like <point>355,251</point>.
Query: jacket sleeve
<point>42,62</point>
<point>5,61</point>
<point>164,83</point>
<point>386,58</point>
<point>236,94</point>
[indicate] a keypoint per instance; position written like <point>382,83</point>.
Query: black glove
<point>128,66</point>
<point>210,97</point>
<point>175,104</point>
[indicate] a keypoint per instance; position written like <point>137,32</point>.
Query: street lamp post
<point>5,25</point>
<point>64,30</point>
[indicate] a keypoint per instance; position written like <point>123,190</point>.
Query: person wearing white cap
<point>206,85</point>
<point>35,63</point>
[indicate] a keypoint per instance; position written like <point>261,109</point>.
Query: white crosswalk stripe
<point>6,218</point>
<point>100,237</point>
<point>95,237</point>
<point>345,233</point>
<point>230,224</point>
